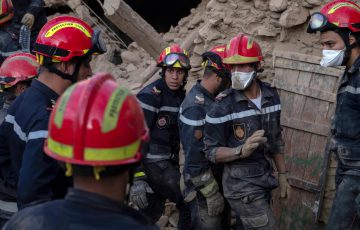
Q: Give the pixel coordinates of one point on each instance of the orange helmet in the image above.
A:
(174, 56)
(242, 49)
(18, 67)
(96, 122)
(334, 15)
(65, 37)
(6, 11)
(214, 59)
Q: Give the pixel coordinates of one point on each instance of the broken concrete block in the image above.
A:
(261, 4)
(293, 16)
(278, 5)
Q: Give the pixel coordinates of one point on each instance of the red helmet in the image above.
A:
(334, 15)
(174, 56)
(241, 50)
(65, 37)
(214, 59)
(6, 11)
(96, 122)
(18, 67)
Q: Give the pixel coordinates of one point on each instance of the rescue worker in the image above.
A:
(64, 60)
(161, 101)
(95, 131)
(6, 41)
(16, 73)
(243, 131)
(30, 13)
(203, 186)
(339, 25)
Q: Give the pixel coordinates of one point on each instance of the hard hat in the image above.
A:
(335, 15)
(214, 59)
(242, 49)
(18, 67)
(174, 56)
(96, 122)
(65, 37)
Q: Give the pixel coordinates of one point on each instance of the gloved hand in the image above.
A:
(28, 20)
(252, 143)
(215, 204)
(138, 193)
(283, 184)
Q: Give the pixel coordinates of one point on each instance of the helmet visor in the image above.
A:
(6, 80)
(172, 58)
(98, 43)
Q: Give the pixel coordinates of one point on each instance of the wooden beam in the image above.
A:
(306, 91)
(131, 23)
(310, 127)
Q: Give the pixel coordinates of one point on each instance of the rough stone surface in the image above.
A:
(278, 5)
(293, 16)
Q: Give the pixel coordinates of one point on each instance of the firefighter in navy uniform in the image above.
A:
(243, 131)
(203, 186)
(339, 25)
(161, 101)
(63, 60)
(16, 73)
(95, 131)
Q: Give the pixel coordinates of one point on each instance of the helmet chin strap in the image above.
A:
(348, 47)
(73, 78)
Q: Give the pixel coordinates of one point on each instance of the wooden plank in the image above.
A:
(315, 159)
(308, 67)
(303, 184)
(319, 94)
(309, 127)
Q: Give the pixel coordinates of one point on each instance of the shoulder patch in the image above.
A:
(199, 99)
(155, 91)
(221, 96)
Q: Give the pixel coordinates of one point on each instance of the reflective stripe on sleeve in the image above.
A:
(192, 122)
(148, 107)
(350, 89)
(22, 135)
(247, 113)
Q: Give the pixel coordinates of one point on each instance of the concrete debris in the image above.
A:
(293, 16)
(278, 5)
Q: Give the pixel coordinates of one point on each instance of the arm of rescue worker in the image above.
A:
(215, 137)
(38, 170)
(35, 7)
(191, 126)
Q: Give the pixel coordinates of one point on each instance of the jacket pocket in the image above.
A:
(247, 171)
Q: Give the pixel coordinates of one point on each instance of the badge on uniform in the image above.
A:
(155, 91)
(240, 131)
(199, 99)
(162, 122)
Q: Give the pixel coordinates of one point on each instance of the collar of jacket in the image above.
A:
(354, 67)
(204, 91)
(44, 89)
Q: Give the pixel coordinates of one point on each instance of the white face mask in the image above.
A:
(332, 58)
(241, 80)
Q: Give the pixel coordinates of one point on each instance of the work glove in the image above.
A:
(252, 143)
(138, 193)
(28, 20)
(283, 184)
(215, 204)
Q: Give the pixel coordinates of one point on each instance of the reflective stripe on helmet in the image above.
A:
(240, 59)
(94, 154)
(63, 25)
(342, 4)
(112, 110)
(59, 116)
